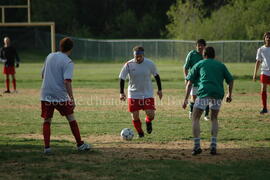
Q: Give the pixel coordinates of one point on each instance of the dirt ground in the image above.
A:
(114, 147)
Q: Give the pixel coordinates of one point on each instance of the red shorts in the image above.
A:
(141, 104)
(9, 70)
(47, 108)
(265, 79)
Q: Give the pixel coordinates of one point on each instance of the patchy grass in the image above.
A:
(243, 140)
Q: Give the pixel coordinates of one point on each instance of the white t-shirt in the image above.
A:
(58, 67)
(140, 84)
(263, 55)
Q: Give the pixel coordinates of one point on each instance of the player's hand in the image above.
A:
(3, 60)
(159, 93)
(228, 99)
(185, 103)
(72, 103)
(123, 97)
(17, 65)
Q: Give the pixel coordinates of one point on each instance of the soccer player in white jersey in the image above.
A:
(263, 58)
(56, 93)
(140, 90)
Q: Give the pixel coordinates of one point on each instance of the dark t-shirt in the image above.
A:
(10, 54)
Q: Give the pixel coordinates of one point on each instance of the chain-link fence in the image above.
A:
(120, 50)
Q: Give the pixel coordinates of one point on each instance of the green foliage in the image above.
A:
(186, 21)
(240, 19)
(129, 19)
(62, 12)
(105, 18)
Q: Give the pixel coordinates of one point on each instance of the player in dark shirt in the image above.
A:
(10, 57)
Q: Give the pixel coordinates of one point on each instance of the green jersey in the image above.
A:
(192, 58)
(210, 75)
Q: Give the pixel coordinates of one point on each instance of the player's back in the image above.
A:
(57, 66)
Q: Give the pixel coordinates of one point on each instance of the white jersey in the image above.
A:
(58, 67)
(263, 55)
(140, 84)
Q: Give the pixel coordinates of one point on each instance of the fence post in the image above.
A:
(156, 48)
(239, 52)
(98, 49)
(222, 49)
(112, 51)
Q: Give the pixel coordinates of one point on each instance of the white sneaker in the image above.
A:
(47, 151)
(190, 115)
(206, 118)
(84, 147)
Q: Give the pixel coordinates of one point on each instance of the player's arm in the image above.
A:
(68, 74)
(230, 88)
(187, 66)
(229, 80)
(185, 74)
(122, 76)
(192, 76)
(257, 65)
(68, 86)
(122, 87)
(188, 89)
(2, 57)
(17, 58)
(159, 93)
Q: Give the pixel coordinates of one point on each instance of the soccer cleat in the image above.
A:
(196, 151)
(141, 135)
(263, 111)
(47, 151)
(84, 147)
(7, 91)
(206, 118)
(213, 150)
(190, 115)
(149, 127)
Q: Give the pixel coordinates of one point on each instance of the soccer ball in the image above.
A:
(127, 134)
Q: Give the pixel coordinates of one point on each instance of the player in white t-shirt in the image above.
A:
(56, 93)
(140, 90)
(263, 59)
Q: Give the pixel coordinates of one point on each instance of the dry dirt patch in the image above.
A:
(113, 147)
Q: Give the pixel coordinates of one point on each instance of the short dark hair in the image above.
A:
(138, 48)
(66, 44)
(209, 52)
(201, 41)
(266, 34)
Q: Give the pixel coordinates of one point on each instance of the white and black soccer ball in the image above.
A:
(127, 134)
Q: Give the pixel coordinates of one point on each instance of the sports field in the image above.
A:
(243, 141)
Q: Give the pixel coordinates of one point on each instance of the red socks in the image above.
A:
(148, 119)
(76, 132)
(264, 99)
(14, 84)
(138, 126)
(7, 84)
(46, 134)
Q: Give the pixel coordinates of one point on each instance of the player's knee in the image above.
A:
(150, 114)
(135, 116)
(48, 120)
(70, 117)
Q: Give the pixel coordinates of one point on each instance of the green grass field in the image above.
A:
(244, 137)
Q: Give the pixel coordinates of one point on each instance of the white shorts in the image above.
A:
(193, 91)
(201, 103)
